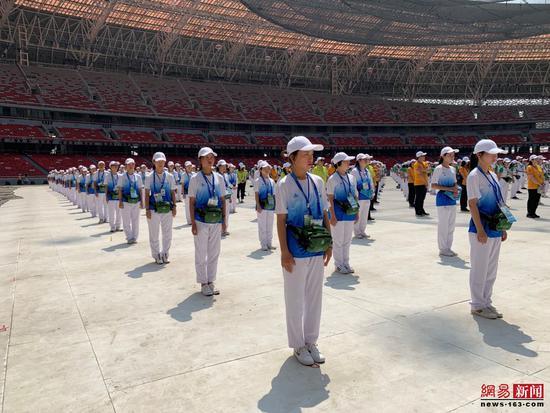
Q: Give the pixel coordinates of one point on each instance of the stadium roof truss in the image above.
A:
(226, 40)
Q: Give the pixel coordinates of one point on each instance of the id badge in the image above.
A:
(365, 185)
(213, 202)
(508, 214)
(133, 193)
(307, 220)
(352, 201)
(318, 222)
(162, 192)
(158, 198)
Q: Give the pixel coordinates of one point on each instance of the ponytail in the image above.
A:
(474, 160)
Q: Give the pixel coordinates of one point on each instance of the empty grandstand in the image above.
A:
(87, 79)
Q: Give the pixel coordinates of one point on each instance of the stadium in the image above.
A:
(83, 81)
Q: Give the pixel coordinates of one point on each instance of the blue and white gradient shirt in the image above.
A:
(480, 188)
(444, 177)
(341, 186)
(203, 187)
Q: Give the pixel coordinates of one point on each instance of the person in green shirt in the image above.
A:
(242, 176)
(320, 169)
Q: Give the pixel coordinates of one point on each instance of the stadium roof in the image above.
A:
(447, 30)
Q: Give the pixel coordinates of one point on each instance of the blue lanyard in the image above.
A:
(98, 177)
(161, 184)
(344, 183)
(494, 185)
(225, 180)
(308, 178)
(270, 188)
(212, 192)
(131, 183)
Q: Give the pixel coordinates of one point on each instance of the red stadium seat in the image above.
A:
(348, 141)
(461, 140)
(214, 102)
(136, 136)
(386, 140)
(506, 138)
(293, 106)
(424, 140)
(275, 140)
(540, 137)
(82, 134)
(13, 165)
(230, 140)
(254, 103)
(50, 162)
(13, 86)
(22, 131)
(187, 138)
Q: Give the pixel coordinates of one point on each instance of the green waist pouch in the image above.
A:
(348, 207)
(313, 238)
(211, 214)
(496, 222)
(162, 207)
(130, 200)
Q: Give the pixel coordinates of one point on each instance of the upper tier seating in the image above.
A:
(11, 130)
(13, 165)
(82, 134)
(13, 87)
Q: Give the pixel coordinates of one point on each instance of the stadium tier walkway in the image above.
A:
(92, 325)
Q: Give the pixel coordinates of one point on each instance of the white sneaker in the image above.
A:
(206, 290)
(165, 259)
(303, 356)
(265, 248)
(485, 313)
(494, 310)
(454, 253)
(271, 247)
(447, 253)
(158, 260)
(316, 355)
(350, 269)
(360, 236)
(213, 288)
(225, 234)
(342, 270)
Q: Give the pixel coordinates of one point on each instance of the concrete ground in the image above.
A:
(92, 325)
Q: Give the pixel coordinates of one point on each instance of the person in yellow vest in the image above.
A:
(535, 182)
(320, 169)
(410, 183)
(331, 169)
(420, 173)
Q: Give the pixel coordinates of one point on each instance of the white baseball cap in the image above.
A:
(361, 156)
(170, 163)
(420, 153)
(541, 157)
(113, 163)
(129, 160)
(92, 167)
(159, 156)
(286, 165)
(101, 162)
(187, 163)
(448, 149)
(489, 146)
(341, 156)
(320, 158)
(263, 164)
(466, 159)
(206, 151)
(507, 160)
(301, 143)
(533, 157)
(230, 165)
(221, 162)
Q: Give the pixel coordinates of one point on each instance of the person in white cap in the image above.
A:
(320, 169)
(90, 190)
(535, 182)
(207, 207)
(178, 171)
(301, 209)
(99, 184)
(130, 188)
(185, 179)
(444, 181)
(287, 169)
(222, 170)
(420, 174)
(160, 208)
(344, 207)
(232, 179)
(365, 189)
(485, 200)
(111, 194)
(264, 189)
(242, 176)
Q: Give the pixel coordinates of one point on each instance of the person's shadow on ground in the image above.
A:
(294, 388)
(342, 281)
(509, 337)
(195, 302)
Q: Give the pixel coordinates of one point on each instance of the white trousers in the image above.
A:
(233, 206)
(101, 205)
(227, 206)
(483, 271)
(361, 225)
(522, 179)
(341, 242)
(265, 227)
(130, 220)
(156, 223)
(207, 251)
(446, 218)
(303, 300)
(186, 207)
(178, 193)
(504, 188)
(83, 201)
(113, 215)
(90, 199)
